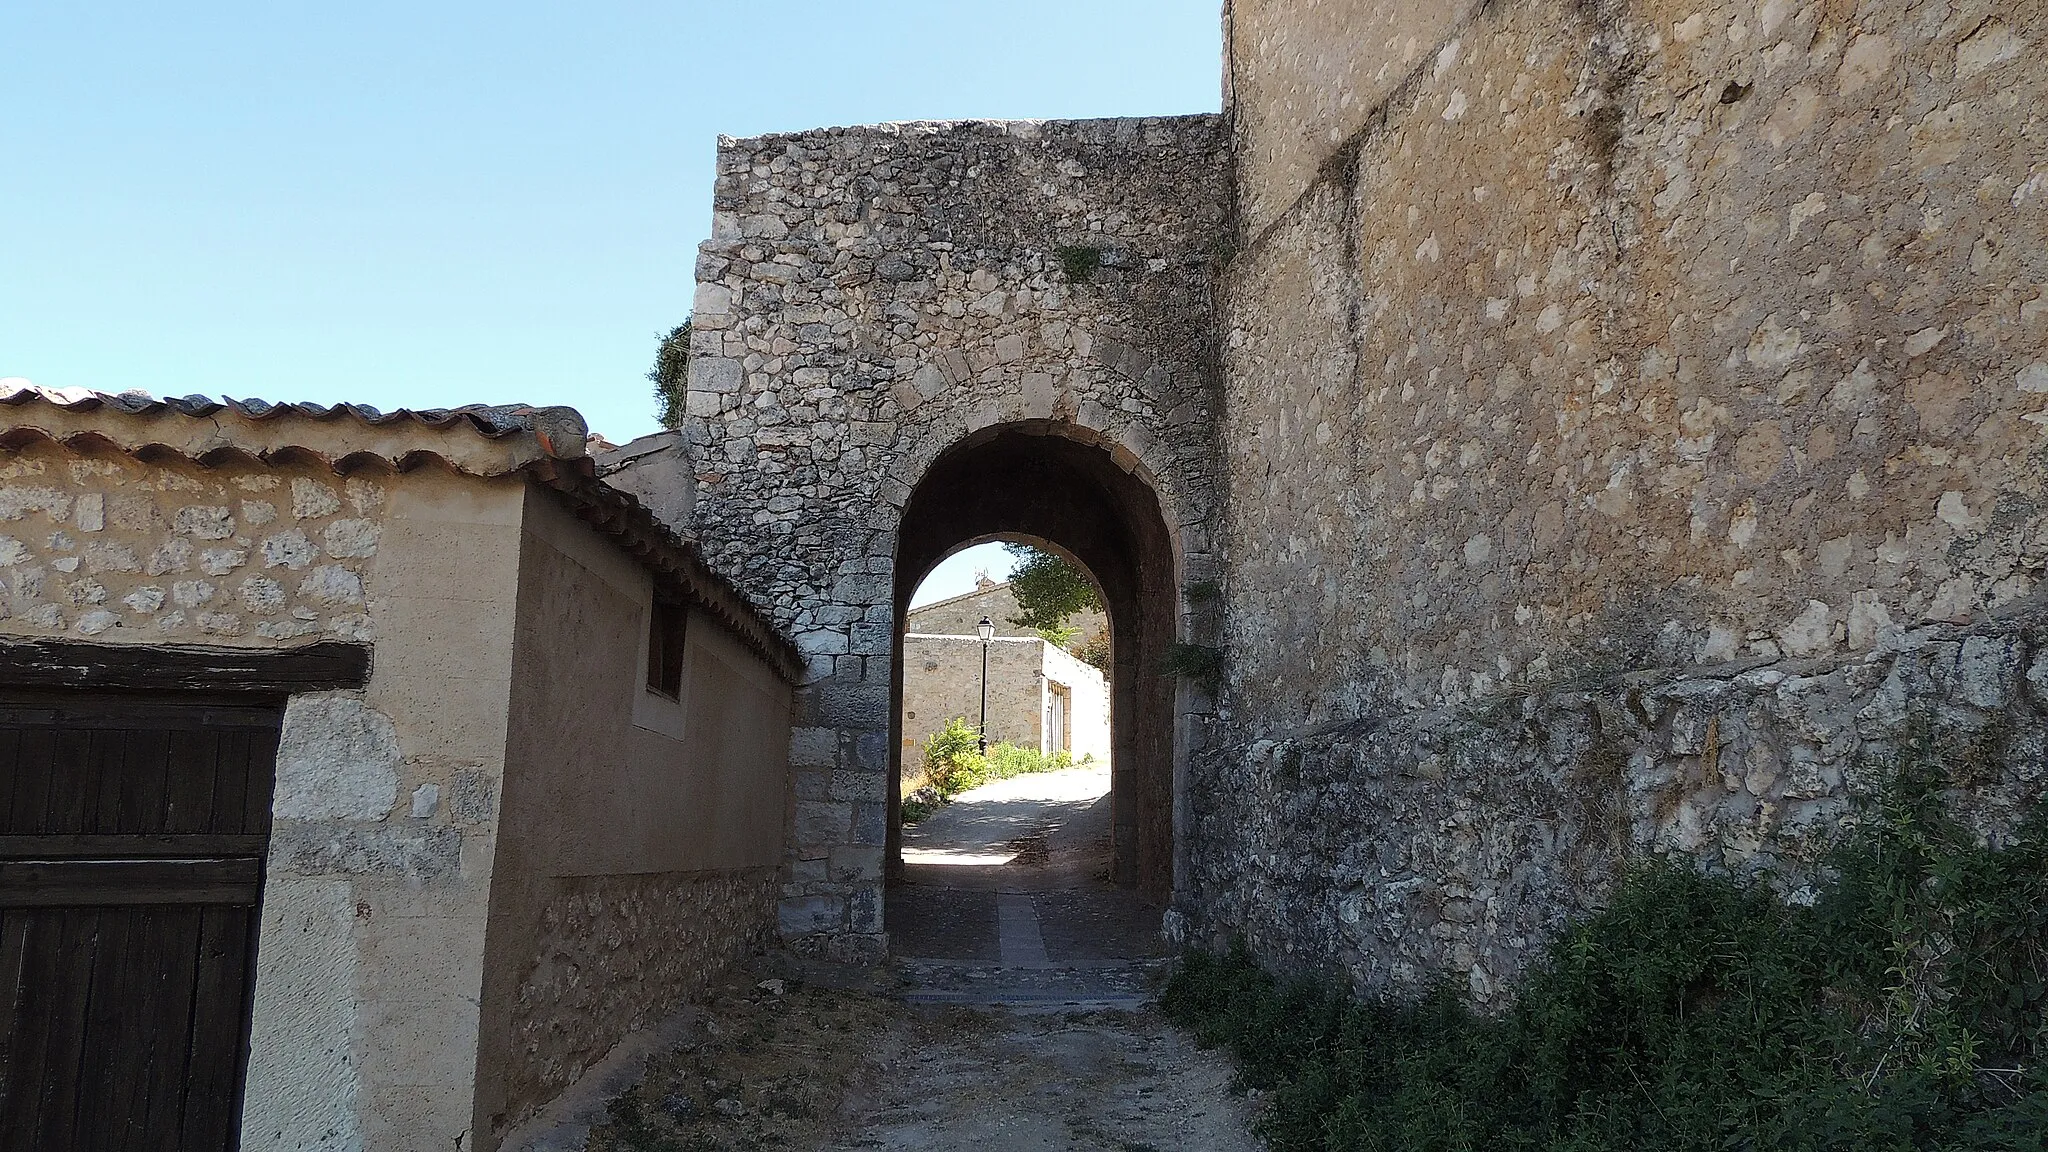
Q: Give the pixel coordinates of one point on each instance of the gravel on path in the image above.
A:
(784, 1064)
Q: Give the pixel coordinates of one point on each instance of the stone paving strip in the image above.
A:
(1017, 1015)
(1017, 930)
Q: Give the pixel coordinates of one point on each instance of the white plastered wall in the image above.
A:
(1087, 706)
(370, 958)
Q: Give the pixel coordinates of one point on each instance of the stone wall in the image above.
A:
(641, 835)
(870, 298)
(942, 680)
(1458, 840)
(612, 954)
(1304, 75)
(1565, 339)
(107, 547)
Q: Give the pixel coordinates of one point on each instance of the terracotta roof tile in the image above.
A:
(522, 432)
(490, 420)
(547, 444)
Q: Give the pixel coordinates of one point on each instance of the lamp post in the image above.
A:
(987, 631)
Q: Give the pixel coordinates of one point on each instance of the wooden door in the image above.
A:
(1058, 738)
(132, 836)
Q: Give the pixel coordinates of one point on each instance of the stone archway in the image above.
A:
(880, 307)
(1059, 484)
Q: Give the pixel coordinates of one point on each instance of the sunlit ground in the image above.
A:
(981, 827)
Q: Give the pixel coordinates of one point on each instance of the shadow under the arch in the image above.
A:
(1011, 896)
(1018, 873)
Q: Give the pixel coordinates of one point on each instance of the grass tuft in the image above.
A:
(1079, 263)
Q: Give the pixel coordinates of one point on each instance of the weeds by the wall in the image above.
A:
(1079, 263)
(1903, 1010)
(954, 763)
(1196, 662)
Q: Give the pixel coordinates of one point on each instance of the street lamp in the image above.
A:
(987, 631)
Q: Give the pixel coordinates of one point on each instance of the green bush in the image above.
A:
(953, 763)
(1079, 263)
(1903, 1010)
(951, 754)
(1007, 760)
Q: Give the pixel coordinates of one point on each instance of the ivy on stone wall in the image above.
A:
(671, 375)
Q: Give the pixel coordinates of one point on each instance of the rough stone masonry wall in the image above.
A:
(1458, 840)
(617, 953)
(1569, 338)
(868, 298)
(109, 548)
(942, 680)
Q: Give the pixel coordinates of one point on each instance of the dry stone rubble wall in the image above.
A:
(1567, 339)
(870, 297)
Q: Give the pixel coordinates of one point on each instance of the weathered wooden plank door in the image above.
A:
(132, 835)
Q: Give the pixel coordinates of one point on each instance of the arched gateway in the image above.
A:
(913, 336)
(1056, 484)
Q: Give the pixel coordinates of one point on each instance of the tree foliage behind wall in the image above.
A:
(671, 375)
(1094, 649)
(1049, 592)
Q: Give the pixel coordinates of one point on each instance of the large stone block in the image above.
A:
(857, 864)
(806, 915)
(870, 822)
(813, 747)
(822, 822)
(860, 784)
(715, 374)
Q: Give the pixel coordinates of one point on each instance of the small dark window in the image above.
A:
(668, 625)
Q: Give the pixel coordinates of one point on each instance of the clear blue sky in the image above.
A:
(954, 576)
(417, 205)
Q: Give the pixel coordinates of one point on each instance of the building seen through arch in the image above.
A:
(1041, 695)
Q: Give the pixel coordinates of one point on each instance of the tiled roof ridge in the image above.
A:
(560, 431)
(545, 443)
(642, 535)
(962, 596)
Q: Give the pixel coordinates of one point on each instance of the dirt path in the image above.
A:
(1116, 1081)
(834, 1070)
(1012, 1018)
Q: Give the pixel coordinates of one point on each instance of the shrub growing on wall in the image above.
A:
(671, 375)
(1903, 1010)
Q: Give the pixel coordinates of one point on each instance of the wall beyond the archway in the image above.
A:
(872, 299)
